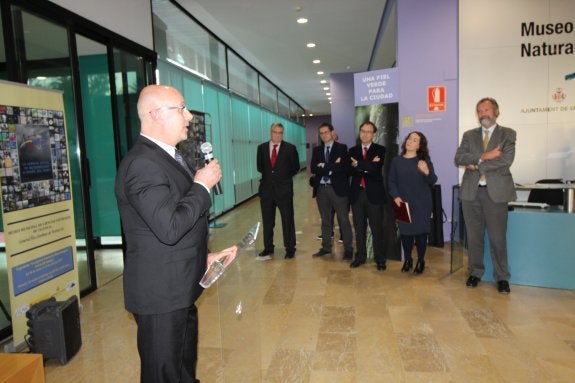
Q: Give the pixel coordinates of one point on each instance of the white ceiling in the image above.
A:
(265, 33)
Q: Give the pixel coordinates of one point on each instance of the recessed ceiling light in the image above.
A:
(329, 98)
(320, 72)
(326, 88)
(327, 93)
(323, 82)
(302, 20)
(310, 45)
(311, 114)
(316, 61)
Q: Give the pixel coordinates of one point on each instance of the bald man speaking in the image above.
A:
(164, 208)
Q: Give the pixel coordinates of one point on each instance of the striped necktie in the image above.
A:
(180, 159)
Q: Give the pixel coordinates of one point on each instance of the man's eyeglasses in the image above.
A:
(181, 108)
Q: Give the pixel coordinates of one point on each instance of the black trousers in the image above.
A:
(268, 205)
(168, 346)
(364, 213)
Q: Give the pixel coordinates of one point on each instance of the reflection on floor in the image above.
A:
(316, 320)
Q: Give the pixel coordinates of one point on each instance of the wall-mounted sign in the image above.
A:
(376, 87)
(436, 99)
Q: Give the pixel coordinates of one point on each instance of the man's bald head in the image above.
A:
(160, 114)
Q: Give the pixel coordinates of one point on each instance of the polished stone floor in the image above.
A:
(313, 320)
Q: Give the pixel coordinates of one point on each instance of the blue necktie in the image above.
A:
(326, 178)
(178, 157)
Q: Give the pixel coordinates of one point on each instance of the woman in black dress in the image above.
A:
(410, 179)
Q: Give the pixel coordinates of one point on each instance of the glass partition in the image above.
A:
(243, 78)
(268, 95)
(283, 104)
(181, 41)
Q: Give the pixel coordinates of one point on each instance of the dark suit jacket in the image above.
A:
(277, 182)
(338, 165)
(165, 222)
(371, 171)
(500, 185)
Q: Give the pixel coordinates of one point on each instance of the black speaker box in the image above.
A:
(436, 235)
(54, 329)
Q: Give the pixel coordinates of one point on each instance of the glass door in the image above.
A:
(100, 162)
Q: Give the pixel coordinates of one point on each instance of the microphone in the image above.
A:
(206, 148)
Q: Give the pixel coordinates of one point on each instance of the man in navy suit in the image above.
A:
(331, 166)
(368, 195)
(487, 153)
(278, 162)
(164, 211)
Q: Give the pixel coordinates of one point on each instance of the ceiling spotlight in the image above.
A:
(326, 88)
(310, 45)
(329, 98)
(302, 20)
(316, 61)
(327, 93)
(311, 114)
(323, 82)
(320, 72)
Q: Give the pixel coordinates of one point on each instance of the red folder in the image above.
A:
(402, 212)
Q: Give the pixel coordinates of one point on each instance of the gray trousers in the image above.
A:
(327, 200)
(480, 215)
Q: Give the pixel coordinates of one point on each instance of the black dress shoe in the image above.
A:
(472, 281)
(407, 265)
(290, 254)
(321, 253)
(347, 256)
(381, 266)
(265, 255)
(503, 287)
(419, 267)
(356, 263)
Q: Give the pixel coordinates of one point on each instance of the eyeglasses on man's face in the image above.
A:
(181, 108)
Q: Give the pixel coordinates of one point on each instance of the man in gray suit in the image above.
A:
(487, 186)
(164, 208)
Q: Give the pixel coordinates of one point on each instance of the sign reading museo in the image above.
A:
(376, 87)
(536, 49)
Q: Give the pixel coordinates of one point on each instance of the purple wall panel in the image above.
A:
(427, 56)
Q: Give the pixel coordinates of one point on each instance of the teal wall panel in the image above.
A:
(235, 127)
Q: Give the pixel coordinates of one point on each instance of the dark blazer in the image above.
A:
(500, 185)
(339, 165)
(165, 221)
(277, 182)
(371, 171)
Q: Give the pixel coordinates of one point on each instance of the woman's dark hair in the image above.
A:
(423, 151)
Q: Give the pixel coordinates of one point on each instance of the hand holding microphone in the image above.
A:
(212, 170)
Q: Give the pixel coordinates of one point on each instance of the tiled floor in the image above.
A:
(316, 320)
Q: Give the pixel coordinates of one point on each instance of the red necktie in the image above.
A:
(362, 182)
(274, 156)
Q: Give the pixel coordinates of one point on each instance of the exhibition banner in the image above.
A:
(37, 208)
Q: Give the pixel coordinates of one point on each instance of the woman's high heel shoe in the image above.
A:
(419, 267)
(407, 265)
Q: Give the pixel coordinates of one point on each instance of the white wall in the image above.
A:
(534, 95)
(129, 18)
